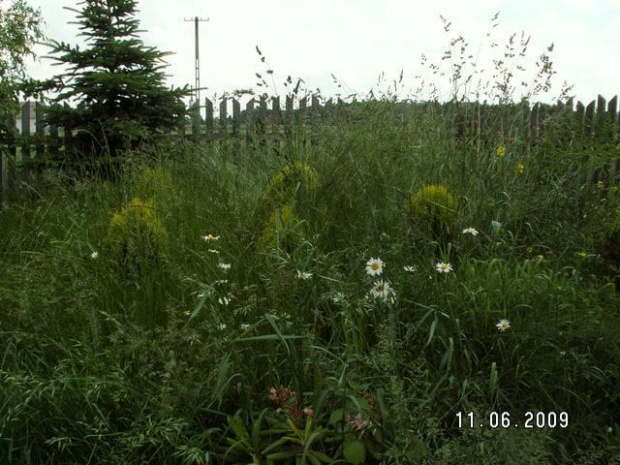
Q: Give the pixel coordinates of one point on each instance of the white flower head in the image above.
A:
(215, 251)
(409, 269)
(244, 326)
(472, 231)
(503, 325)
(224, 266)
(222, 326)
(442, 267)
(303, 275)
(223, 301)
(210, 238)
(381, 290)
(94, 255)
(374, 267)
(338, 297)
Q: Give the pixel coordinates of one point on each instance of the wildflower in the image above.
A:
(600, 184)
(338, 297)
(409, 269)
(562, 353)
(220, 281)
(472, 231)
(503, 325)
(391, 296)
(94, 255)
(501, 151)
(244, 326)
(358, 421)
(186, 313)
(224, 266)
(223, 301)
(520, 168)
(308, 412)
(222, 326)
(529, 250)
(509, 140)
(210, 238)
(374, 267)
(442, 267)
(215, 251)
(381, 290)
(581, 254)
(303, 275)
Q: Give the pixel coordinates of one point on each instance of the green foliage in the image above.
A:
(20, 29)
(283, 230)
(118, 84)
(136, 238)
(433, 210)
(284, 185)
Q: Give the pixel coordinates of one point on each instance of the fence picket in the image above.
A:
(264, 123)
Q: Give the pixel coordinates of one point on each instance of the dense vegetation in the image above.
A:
(127, 338)
(375, 298)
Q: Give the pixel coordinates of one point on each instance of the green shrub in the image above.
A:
(282, 187)
(433, 210)
(136, 238)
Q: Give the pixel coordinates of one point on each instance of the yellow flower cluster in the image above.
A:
(285, 192)
(434, 206)
(282, 186)
(136, 235)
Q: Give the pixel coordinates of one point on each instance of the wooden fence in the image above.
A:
(265, 122)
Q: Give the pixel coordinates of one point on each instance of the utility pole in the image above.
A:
(197, 20)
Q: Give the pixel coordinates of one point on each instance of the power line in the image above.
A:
(196, 21)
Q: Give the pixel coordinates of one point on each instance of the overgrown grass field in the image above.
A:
(375, 299)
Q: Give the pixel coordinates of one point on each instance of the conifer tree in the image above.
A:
(115, 87)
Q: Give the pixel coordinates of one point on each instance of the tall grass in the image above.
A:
(291, 354)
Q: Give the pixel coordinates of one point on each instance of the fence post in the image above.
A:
(40, 140)
(612, 114)
(209, 129)
(196, 126)
(314, 122)
(249, 122)
(25, 145)
(236, 125)
(601, 119)
(223, 131)
(588, 124)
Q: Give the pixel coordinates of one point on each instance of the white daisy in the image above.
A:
(224, 266)
(472, 231)
(215, 251)
(338, 297)
(210, 238)
(244, 326)
(223, 301)
(222, 326)
(94, 255)
(503, 325)
(381, 290)
(409, 269)
(374, 267)
(303, 275)
(442, 267)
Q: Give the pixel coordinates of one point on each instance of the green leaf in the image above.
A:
(354, 451)
(336, 416)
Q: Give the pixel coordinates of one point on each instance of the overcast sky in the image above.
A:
(357, 40)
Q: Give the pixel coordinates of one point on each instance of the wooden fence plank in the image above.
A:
(209, 125)
(601, 119)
